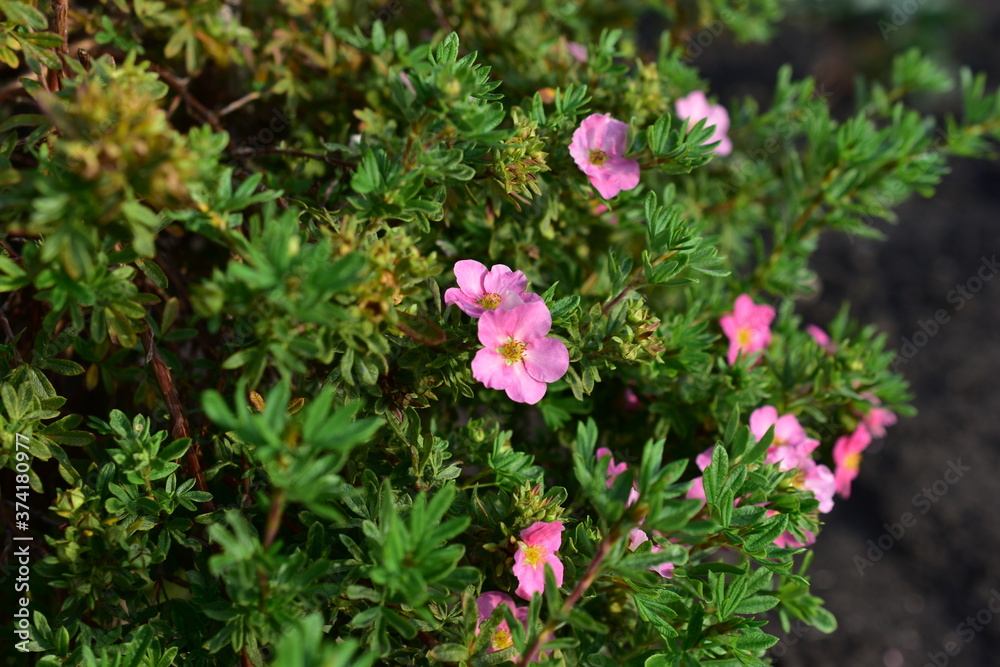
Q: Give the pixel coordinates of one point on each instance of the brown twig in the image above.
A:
(190, 100)
(295, 153)
(274, 517)
(169, 391)
(233, 106)
(10, 334)
(59, 27)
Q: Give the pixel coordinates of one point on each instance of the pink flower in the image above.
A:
(489, 601)
(790, 446)
(598, 147)
(748, 327)
(818, 479)
(695, 107)
(602, 208)
(631, 400)
(637, 537)
(877, 418)
(480, 290)
(697, 489)
(847, 457)
(614, 471)
(539, 543)
(578, 51)
(787, 541)
(518, 357)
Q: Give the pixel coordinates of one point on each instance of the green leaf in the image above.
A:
(24, 14)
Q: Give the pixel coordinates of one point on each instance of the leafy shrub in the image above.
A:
(231, 240)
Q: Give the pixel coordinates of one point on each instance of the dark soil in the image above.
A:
(903, 593)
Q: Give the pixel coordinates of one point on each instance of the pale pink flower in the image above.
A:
(480, 290)
(631, 400)
(538, 545)
(518, 356)
(818, 479)
(613, 472)
(489, 601)
(822, 338)
(847, 457)
(613, 469)
(406, 82)
(637, 537)
(748, 327)
(697, 489)
(790, 446)
(602, 208)
(598, 148)
(876, 419)
(695, 107)
(787, 541)
(578, 51)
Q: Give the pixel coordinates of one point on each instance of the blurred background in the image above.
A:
(925, 590)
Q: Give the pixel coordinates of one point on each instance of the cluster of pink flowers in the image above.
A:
(537, 547)
(792, 449)
(748, 327)
(847, 450)
(485, 605)
(518, 355)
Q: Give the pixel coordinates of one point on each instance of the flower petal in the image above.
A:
(546, 360)
(469, 274)
(491, 369)
(495, 326)
(455, 296)
(530, 321)
(489, 601)
(529, 579)
(501, 279)
(548, 535)
(522, 388)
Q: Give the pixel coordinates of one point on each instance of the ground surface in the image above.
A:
(907, 606)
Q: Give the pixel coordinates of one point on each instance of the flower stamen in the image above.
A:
(490, 300)
(513, 351)
(597, 157)
(534, 554)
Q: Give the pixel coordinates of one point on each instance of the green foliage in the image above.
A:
(227, 233)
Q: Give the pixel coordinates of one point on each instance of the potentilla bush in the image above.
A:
(444, 333)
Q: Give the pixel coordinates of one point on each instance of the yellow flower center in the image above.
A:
(799, 479)
(501, 639)
(597, 158)
(853, 462)
(744, 336)
(490, 300)
(513, 351)
(535, 554)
